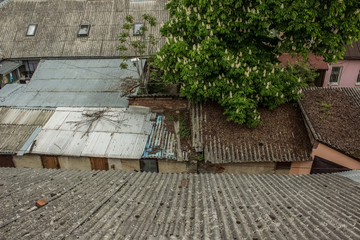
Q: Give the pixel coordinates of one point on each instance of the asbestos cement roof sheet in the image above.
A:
(58, 25)
(134, 205)
(18, 125)
(96, 132)
(74, 83)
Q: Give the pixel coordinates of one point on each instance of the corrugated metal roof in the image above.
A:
(161, 143)
(8, 66)
(17, 125)
(56, 36)
(96, 132)
(284, 147)
(73, 83)
(129, 205)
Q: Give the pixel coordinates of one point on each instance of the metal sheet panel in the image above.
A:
(97, 144)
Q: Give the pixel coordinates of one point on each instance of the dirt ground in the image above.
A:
(335, 117)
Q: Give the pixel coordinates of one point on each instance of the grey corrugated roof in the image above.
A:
(124, 205)
(58, 23)
(73, 83)
(284, 147)
(8, 66)
(353, 175)
(17, 125)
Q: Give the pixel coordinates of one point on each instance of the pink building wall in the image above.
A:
(348, 76)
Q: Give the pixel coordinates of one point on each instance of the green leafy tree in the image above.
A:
(227, 50)
(140, 44)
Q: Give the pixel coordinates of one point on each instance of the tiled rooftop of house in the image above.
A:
(333, 116)
(282, 138)
(353, 52)
(55, 26)
(130, 205)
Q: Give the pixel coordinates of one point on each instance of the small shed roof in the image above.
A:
(8, 66)
(333, 115)
(96, 132)
(73, 83)
(58, 24)
(129, 205)
(18, 125)
(315, 62)
(282, 138)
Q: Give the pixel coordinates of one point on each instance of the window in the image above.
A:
(84, 30)
(335, 75)
(149, 165)
(358, 79)
(31, 30)
(137, 29)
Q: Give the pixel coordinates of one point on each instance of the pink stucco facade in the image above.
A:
(348, 75)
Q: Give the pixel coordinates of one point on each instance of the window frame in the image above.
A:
(84, 34)
(135, 33)
(28, 28)
(338, 77)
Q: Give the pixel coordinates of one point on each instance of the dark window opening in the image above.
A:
(358, 78)
(149, 165)
(84, 30)
(335, 75)
(31, 30)
(321, 165)
(283, 165)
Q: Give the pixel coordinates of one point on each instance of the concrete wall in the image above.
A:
(348, 75)
(172, 166)
(27, 161)
(301, 167)
(124, 164)
(334, 156)
(82, 163)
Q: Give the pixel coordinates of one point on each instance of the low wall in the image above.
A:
(124, 164)
(300, 167)
(27, 161)
(81, 163)
(172, 166)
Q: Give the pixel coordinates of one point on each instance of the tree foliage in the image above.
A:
(227, 50)
(140, 44)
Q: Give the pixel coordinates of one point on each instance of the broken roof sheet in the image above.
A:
(333, 115)
(96, 132)
(18, 125)
(73, 83)
(282, 138)
(56, 36)
(129, 205)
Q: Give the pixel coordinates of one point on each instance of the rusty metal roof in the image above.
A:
(58, 24)
(129, 205)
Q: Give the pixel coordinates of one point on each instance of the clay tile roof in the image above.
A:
(353, 52)
(333, 116)
(282, 138)
(128, 205)
(315, 62)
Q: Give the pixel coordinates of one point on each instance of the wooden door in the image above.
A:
(99, 163)
(50, 162)
(6, 161)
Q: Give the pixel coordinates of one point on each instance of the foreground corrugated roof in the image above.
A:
(96, 132)
(130, 205)
(18, 125)
(282, 138)
(332, 116)
(58, 24)
(74, 83)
